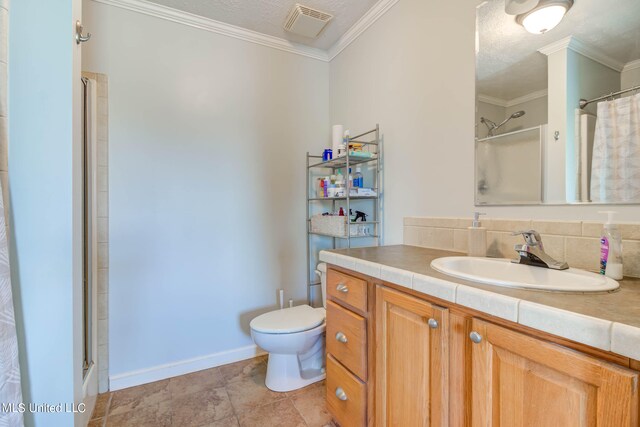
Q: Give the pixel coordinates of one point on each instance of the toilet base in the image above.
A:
(284, 373)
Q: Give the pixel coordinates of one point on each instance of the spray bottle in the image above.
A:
(611, 249)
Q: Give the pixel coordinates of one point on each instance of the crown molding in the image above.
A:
(631, 65)
(506, 103)
(528, 97)
(211, 25)
(492, 100)
(372, 15)
(583, 49)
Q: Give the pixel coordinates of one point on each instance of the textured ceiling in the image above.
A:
(268, 16)
(508, 64)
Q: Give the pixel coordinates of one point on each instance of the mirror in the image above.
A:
(536, 143)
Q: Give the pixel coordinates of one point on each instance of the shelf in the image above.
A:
(358, 223)
(359, 148)
(344, 198)
(341, 162)
(371, 236)
(353, 138)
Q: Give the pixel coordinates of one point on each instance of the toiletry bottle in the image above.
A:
(342, 150)
(331, 191)
(611, 249)
(357, 179)
(340, 188)
(350, 179)
(477, 245)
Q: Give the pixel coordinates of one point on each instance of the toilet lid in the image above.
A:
(288, 320)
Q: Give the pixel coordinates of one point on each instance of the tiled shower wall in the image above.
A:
(576, 242)
(102, 227)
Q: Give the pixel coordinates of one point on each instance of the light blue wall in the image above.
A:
(207, 142)
(40, 159)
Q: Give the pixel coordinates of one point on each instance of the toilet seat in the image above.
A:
(289, 320)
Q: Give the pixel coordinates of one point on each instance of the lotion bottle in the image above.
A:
(477, 245)
(611, 249)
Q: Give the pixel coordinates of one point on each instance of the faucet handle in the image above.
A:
(532, 237)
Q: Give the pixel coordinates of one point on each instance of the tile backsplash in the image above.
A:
(576, 242)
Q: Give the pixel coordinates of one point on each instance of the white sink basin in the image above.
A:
(503, 272)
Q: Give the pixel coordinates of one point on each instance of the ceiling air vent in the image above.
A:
(306, 21)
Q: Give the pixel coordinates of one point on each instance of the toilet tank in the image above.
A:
(322, 272)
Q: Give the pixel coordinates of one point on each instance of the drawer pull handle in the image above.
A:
(342, 288)
(433, 323)
(340, 394)
(341, 337)
(475, 337)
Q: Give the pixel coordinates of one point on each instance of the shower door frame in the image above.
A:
(89, 230)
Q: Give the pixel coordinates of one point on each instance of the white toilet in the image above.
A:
(294, 338)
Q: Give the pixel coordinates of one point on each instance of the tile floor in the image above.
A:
(226, 396)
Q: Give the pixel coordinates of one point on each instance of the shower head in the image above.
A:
(487, 122)
(493, 127)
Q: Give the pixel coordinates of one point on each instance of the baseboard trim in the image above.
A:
(181, 367)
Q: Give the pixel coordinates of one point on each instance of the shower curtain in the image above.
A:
(615, 171)
(10, 391)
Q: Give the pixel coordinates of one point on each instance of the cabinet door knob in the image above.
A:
(433, 323)
(342, 288)
(341, 337)
(475, 337)
(340, 394)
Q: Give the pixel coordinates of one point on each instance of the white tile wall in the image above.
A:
(102, 184)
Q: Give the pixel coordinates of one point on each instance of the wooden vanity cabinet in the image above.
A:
(350, 340)
(413, 360)
(521, 381)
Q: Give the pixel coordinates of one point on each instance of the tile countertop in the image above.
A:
(608, 321)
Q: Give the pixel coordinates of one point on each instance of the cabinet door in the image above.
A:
(411, 361)
(520, 381)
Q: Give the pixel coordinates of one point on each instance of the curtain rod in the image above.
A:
(584, 102)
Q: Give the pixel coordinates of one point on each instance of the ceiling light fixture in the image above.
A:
(516, 7)
(545, 16)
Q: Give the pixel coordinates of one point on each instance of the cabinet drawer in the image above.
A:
(347, 338)
(348, 289)
(346, 395)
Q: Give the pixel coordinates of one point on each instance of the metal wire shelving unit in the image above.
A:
(314, 162)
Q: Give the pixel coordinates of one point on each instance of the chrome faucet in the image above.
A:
(532, 252)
